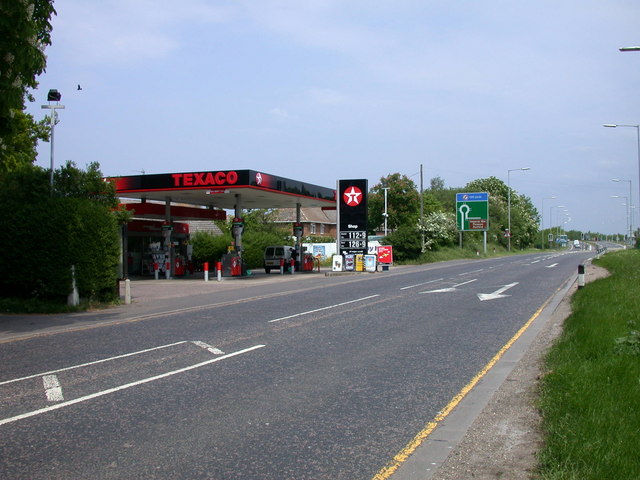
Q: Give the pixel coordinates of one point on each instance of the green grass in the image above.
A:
(591, 394)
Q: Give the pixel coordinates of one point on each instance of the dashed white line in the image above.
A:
(124, 387)
(206, 346)
(52, 388)
(323, 308)
(91, 363)
(423, 283)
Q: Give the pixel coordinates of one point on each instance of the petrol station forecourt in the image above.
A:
(162, 197)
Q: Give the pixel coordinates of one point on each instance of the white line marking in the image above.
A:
(91, 363)
(472, 271)
(206, 346)
(124, 387)
(464, 283)
(323, 308)
(552, 265)
(535, 261)
(52, 388)
(423, 283)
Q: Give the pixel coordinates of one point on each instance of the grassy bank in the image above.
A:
(591, 394)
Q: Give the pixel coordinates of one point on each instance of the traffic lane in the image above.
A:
(222, 322)
(344, 371)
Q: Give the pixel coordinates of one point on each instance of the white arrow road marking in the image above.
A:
(497, 294)
(552, 265)
(450, 289)
(52, 388)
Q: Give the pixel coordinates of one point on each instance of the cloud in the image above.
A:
(280, 113)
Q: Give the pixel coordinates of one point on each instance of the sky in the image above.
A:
(336, 89)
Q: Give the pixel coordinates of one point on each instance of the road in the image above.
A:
(311, 378)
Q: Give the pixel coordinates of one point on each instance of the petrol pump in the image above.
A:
(232, 260)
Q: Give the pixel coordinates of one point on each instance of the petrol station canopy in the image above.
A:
(225, 189)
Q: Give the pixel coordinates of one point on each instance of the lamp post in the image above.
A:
(542, 221)
(629, 206)
(551, 217)
(637, 127)
(509, 203)
(53, 96)
(630, 49)
(628, 210)
(385, 214)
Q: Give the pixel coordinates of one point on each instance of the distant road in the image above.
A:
(328, 381)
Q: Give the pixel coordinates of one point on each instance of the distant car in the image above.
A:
(576, 244)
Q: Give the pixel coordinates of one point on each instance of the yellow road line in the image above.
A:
(412, 446)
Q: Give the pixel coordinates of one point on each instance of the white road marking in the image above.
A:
(206, 346)
(497, 294)
(323, 308)
(91, 363)
(535, 261)
(52, 388)
(452, 288)
(472, 271)
(423, 283)
(124, 387)
(552, 265)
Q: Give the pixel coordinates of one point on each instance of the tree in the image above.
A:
(403, 202)
(19, 146)
(25, 29)
(524, 216)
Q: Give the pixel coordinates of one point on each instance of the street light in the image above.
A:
(53, 96)
(385, 214)
(542, 221)
(551, 217)
(630, 49)
(509, 203)
(628, 209)
(637, 127)
(628, 206)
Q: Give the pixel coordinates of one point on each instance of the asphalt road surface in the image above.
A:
(311, 378)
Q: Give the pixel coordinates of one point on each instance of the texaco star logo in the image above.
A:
(352, 196)
(259, 178)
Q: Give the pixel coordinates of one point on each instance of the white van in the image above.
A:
(576, 244)
(274, 253)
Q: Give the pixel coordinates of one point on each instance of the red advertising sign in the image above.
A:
(385, 254)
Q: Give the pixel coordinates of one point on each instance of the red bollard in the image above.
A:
(206, 271)
(156, 267)
(219, 270)
(282, 266)
(293, 265)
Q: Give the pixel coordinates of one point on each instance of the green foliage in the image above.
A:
(439, 229)
(630, 343)
(18, 147)
(25, 29)
(209, 248)
(406, 241)
(403, 202)
(589, 397)
(45, 234)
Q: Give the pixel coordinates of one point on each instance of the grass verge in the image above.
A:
(590, 394)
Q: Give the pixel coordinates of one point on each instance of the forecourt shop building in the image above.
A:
(204, 196)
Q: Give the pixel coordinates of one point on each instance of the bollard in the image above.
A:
(219, 270)
(127, 292)
(167, 270)
(73, 299)
(156, 268)
(282, 266)
(206, 271)
(293, 266)
(580, 276)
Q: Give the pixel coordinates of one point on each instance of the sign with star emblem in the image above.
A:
(352, 216)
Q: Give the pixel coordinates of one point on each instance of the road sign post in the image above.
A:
(472, 213)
